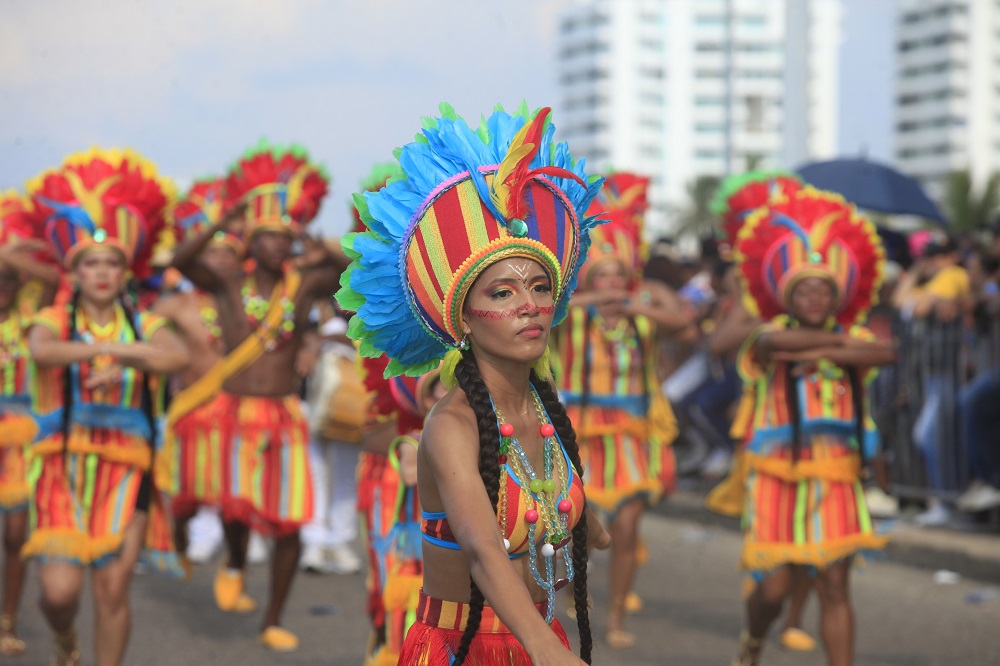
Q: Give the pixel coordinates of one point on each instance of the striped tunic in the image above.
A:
(604, 378)
(811, 511)
(17, 427)
(85, 487)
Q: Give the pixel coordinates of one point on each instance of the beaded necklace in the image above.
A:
(549, 493)
(11, 349)
(210, 320)
(255, 306)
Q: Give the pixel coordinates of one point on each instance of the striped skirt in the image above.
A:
(16, 430)
(811, 512)
(267, 483)
(437, 633)
(615, 452)
(81, 502)
(197, 441)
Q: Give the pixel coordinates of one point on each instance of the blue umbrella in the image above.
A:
(872, 186)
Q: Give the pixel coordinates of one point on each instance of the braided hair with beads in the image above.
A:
(471, 382)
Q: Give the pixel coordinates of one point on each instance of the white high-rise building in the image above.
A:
(947, 89)
(678, 89)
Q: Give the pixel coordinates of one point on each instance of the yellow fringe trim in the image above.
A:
(17, 429)
(402, 592)
(634, 426)
(135, 456)
(14, 494)
(661, 419)
(767, 556)
(609, 499)
(727, 498)
(71, 544)
(384, 657)
(838, 470)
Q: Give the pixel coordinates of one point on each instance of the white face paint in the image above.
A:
(522, 271)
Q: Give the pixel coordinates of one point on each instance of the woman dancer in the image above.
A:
(17, 427)
(476, 252)
(94, 502)
(606, 370)
(811, 267)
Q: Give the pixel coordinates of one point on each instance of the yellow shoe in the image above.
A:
(633, 603)
(279, 639)
(229, 596)
(796, 639)
(245, 604)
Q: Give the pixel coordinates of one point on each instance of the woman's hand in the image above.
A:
(555, 655)
(102, 379)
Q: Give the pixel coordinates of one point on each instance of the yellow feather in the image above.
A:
(90, 200)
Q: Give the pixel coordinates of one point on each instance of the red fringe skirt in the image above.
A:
(435, 636)
(266, 480)
(199, 439)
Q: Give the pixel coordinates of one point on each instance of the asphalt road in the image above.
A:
(692, 617)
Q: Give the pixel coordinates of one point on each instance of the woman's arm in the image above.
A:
(186, 257)
(450, 447)
(734, 328)
(47, 350)
(798, 340)
(19, 256)
(661, 306)
(854, 353)
(163, 353)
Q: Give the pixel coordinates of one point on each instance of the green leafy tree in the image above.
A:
(695, 218)
(967, 207)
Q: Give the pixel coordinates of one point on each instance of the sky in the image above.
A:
(192, 84)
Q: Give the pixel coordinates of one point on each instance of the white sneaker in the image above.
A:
(342, 560)
(881, 505)
(716, 465)
(979, 497)
(257, 552)
(313, 560)
(937, 514)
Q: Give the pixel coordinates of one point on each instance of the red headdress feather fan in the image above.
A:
(282, 188)
(111, 198)
(810, 233)
(739, 195)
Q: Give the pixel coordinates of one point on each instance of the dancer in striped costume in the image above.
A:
(18, 304)
(472, 257)
(94, 499)
(605, 365)
(811, 268)
(266, 481)
(194, 436)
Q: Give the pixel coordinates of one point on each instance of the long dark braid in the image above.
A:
(67, 387)
(563, 426)
(858, 398)
(467, 374)
(147, 395)
(794, 411)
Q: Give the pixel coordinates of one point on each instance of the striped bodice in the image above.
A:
(16, 369)
(514, 501)
(603, 367)
(116, 407)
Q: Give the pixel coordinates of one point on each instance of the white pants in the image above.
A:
(335, 496)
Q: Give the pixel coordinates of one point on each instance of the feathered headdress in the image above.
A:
(380, 176)
(201, 208)
(281, 187)
(468, 199)
(810, 234)
(622, 201)
(15, 217)
(740, 194)
(107, 198)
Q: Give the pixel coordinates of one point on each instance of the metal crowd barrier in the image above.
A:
(935, 357)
